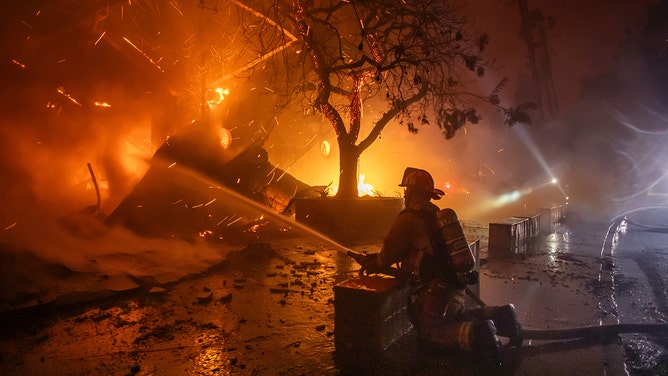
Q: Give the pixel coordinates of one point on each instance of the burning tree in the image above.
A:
(413, 60)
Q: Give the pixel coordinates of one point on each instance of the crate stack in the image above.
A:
(514, 233)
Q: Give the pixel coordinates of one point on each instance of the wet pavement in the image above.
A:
(268, 309)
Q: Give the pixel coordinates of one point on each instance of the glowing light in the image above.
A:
(325, 148)
(102, 104)
(507, 198)
(218, 95)
(453, 188)
(515, 195)
(18, 63)
(364, 189)
(528, 142)
(225, 138)
(205, 233)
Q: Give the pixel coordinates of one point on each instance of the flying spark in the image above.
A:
(62, 92)
(18, 63)
(143, 53)
(99, 39)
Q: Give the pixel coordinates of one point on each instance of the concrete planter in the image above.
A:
(364, 219)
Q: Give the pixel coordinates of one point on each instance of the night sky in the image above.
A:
(584, 41)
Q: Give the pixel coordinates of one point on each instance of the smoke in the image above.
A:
(492, 171)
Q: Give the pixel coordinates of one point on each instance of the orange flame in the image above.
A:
(218, 95)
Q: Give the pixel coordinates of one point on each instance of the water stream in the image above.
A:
(250, 204)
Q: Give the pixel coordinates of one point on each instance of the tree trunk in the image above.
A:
(348, 158)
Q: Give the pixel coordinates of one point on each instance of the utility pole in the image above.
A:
(534, 34)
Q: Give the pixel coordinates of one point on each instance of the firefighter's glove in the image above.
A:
(370, 265)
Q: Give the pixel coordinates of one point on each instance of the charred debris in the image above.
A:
(192, 189)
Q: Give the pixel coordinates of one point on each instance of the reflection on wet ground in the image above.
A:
(640, 290)
(268, 310)
(256, 311)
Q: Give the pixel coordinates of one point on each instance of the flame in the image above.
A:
(364, 189)
(102, 104)
(325, 149)
(225, 138)
(218, 95)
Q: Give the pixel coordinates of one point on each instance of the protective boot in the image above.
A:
(505, 320)
(469, 336)
(484, 339)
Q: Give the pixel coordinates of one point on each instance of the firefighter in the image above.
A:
(437, 306)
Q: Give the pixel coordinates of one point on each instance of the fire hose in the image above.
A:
(592, 332)
(586, 332)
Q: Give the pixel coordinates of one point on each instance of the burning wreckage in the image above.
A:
(196, 187)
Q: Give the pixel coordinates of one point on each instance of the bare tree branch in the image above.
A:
(412, 58)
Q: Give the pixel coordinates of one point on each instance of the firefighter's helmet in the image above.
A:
(421, 180)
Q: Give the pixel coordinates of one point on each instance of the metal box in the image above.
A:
(551, 217)
(507, 234)
(532, 226)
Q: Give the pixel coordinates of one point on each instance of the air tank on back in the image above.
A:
(456, 244)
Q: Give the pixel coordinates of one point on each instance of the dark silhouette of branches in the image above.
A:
(414, 60)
